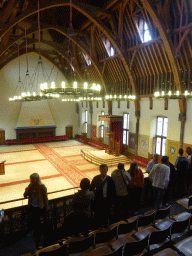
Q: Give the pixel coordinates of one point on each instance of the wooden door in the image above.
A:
(2, 137)
(69, 131)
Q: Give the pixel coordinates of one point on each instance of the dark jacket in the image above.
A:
(41, 195)
(82, 202)
(97, 186)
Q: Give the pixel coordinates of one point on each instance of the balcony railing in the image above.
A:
(14, 223)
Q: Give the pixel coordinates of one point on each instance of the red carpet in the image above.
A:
(71, 173)
(28, 180)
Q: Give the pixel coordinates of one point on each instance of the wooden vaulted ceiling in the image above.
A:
(136, 67)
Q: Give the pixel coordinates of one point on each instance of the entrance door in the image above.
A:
(69, 131)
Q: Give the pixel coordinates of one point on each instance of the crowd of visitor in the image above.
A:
(121, 192)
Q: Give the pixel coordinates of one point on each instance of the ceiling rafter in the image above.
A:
(63, 31)
(166, 40)
(43, 53)
(92, 17)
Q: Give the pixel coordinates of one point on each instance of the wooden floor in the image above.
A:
(59, 164)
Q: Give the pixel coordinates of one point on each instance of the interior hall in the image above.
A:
(85, 83)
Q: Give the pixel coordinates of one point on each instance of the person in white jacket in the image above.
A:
(159, 176)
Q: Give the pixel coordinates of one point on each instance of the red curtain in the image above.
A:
(117, 127)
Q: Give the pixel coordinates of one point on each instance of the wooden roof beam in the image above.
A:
(92, 17)
(23, 51)
(64, 32)
(167, 42)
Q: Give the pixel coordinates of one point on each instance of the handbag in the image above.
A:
(130, 188)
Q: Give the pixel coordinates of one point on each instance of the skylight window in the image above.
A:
(72, 67)
(112, 51)
(88, 61)
(143, 29)
(108, 46)
(146, 33)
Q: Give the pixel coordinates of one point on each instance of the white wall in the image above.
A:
(188, 124)
(63, 113)
(148, 118)
(148, 115)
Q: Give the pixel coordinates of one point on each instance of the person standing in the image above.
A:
(82, 207)
(170, 191)
(181, 165)
(36, 192)
(121, 179)
(152, 163)
(137, 180)
(104, 188)
(159, 176)
(188, 150)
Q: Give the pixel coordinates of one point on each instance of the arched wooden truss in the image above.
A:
(136, 67)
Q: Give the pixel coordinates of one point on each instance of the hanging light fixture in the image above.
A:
(19, 87)
(30, 88)
(74, 90)
(172, 95)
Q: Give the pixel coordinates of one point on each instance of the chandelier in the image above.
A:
(120, 97)
(29, 89)
(73, 90)
(172, 95)
(78, 91)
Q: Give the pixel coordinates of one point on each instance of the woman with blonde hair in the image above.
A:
(36, 192)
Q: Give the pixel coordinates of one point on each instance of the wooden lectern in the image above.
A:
(2, 168)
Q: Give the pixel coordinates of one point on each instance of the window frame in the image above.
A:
(102, 126)
(140, 25)
(87, 59)
(126, 130)
(86, 120)
(162, 137)
(108, 46)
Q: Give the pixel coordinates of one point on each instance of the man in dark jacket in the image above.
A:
(104, 188)
(82, 202)
(181, 165)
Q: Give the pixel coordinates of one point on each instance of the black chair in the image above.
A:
(159, 236)
(106, 236)
(63, 250)
(185, 202)
(182, 216)
(127, 228)
(145, 220)
(185, 246)
(118, 252)
(180, 226)
(163, 213)
(82, 245)
(167, 252)
(135, 248)
(163, 224)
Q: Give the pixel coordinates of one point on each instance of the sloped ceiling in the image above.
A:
(165, 61)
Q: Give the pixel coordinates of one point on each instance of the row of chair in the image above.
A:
(127, 246)
(184, 247)
(36, 140)
(133, 235)
(117, 231)
(139, 233)
(92, 143)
